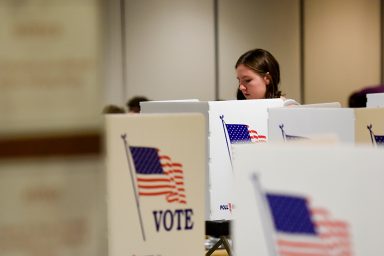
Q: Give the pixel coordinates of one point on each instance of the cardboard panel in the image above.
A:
(311, 123)
(156, 167)
(250, 115)
(313, 200)
(369, 125)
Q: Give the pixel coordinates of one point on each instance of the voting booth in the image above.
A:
(287, 124)
(155, 174)
(308, 200)
(228, 123)
(375, 100)
(342, 125)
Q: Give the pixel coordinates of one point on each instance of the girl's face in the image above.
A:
(251, 84)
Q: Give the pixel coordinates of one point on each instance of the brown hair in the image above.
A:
(113, 109)
(263, 63)
(134, 103)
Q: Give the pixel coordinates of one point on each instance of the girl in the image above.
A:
(258, 73)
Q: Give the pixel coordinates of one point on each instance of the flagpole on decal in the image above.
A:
(132, 171)
(226, 139)
(282, 131)
(371, 133)
(266, 215)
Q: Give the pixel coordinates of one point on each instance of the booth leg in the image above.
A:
(223, 240)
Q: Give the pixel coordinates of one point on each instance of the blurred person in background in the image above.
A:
(358, 99)
(133, 104)
(113, 109)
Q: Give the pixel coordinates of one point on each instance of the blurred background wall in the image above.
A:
(52, 184)
(187, 49)
(62, 61)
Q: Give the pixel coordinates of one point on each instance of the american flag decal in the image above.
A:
(377, 140)
(304, 231)
(158, 175)
(239, 133)
(289, 137)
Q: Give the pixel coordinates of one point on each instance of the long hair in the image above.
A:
(263, 63)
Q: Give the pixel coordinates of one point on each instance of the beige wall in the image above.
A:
(248, 24)
(50, 55)
(113, 81)
(342, 48)
(170, 46)
(168, 50)
(171, 54)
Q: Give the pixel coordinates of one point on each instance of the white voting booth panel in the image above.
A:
(375, 100)
(287, 124)
(347, 125)
(228, 121)
(308, 200)
(155, 175)
(321, 105)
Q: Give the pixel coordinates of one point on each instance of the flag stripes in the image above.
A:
(289, 137)
(294, 137)
(255, 137)
(304, 231)
(157, 175)
(240, 133)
